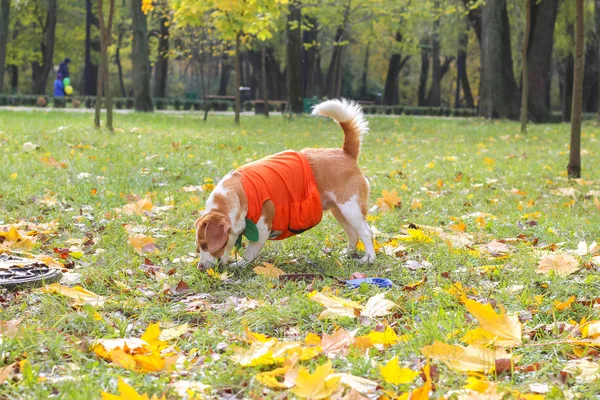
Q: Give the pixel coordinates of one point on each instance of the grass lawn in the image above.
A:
(476, 181)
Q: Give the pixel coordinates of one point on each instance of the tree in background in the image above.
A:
(161, 67)
(574, 167)
(499, 95)
(524, 81)
(103, 75)
(294, 57)
(233, 22)
(40, 72)
(541, 21)
(4, 21)
(140, 56)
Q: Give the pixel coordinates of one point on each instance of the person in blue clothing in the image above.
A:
(63, 68)
(59, 87)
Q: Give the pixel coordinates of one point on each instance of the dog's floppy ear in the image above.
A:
(216, 234)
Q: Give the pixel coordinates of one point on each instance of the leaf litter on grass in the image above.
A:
(474, 236)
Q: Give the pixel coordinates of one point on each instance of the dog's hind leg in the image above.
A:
(350, 231)
(352, 212)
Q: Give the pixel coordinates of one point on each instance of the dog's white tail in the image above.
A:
(349, 115)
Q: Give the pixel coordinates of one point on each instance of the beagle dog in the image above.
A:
(286, 193)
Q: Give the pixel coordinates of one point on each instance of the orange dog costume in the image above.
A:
(287, 180)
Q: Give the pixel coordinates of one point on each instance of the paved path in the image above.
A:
(91, 110)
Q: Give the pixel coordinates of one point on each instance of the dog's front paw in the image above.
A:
(368, 259)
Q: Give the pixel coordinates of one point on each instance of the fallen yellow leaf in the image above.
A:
(507, 329)
(392, 373)
(77, 293)
(562, 264)
(317, 385)
(126, 392)
(460, 358)
(268, 270)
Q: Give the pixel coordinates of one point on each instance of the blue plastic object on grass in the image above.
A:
(380, 282)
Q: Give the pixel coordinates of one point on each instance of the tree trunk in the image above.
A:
(161, 69)
(524, 76)
(14, 78)
(539, 58)
(90, 71)
(118, 61)
(462, 79)
(422, 100)
(277, 84)
(224, 79)
(574, 167)
(474, 16)
(294, 60)
(390, 91)
(597, 43)
(47, 47)
(238, 78)
(499, 94)
(333, 82)
(567, 88)
(311, 58)
(590, 78)
(4, 20)
(139, 58)
(364, 90)
(103, 76)
(263, 80)
(435, 93)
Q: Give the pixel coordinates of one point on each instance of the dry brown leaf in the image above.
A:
(9, 328)
(138, 207)
(6, 372)
(583, 370)
(562, 264)
(143, 244)
(336, 343)
(268, 270)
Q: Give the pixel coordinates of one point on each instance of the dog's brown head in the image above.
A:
(212, 233)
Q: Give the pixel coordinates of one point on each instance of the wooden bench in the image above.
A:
(366, 102)
(259, 105)
(209, 98)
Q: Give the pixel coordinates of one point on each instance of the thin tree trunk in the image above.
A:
(4, 20)
(312, 69)
(524, 76)
(90, 71)
(294, 59)
(14, 78)
(238, 78)
(118, 62)
(162, 59)
(423, 75)
(263, 80)
(41, 77)
(364, 91)
(224, 79)
(140, 60)
(443, 70)
(597, 40)
(461, 72)
(435, 99)
(567, 88)
(574, 167)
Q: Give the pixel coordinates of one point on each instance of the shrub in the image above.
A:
(75, 103)
(187, 105)
(129, 103)
(59, 102)
(161, 104)
(177, 104)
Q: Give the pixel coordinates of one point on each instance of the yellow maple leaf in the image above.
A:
(415, 235)
(460, 358)
(138, 207)
(151, 336)
(562, 264)
(80, 295)
(269, 378)
(143, 244)
(422, 393)
(126, 392)
(317, 385)
(268, 270)
(389, 200)
(119, 357)
(336, 306)
(560, 306)
(312, 339)
(394, 374)
(386, 338)
(507, 329)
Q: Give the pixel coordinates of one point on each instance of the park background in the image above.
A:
(399, 52)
